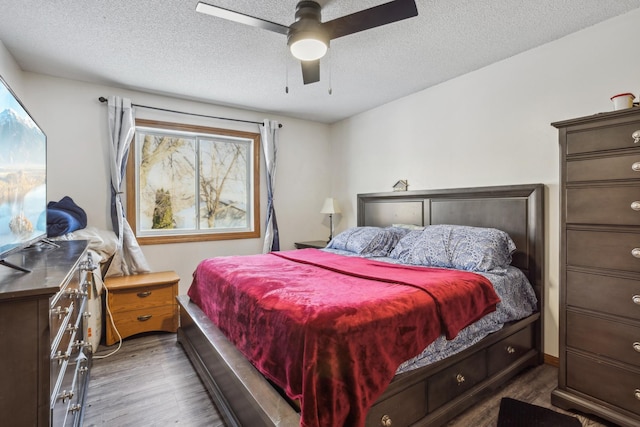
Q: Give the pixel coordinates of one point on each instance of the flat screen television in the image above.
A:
(23, 176)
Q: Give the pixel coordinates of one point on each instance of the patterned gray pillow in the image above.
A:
(456, 246)
(368, 241)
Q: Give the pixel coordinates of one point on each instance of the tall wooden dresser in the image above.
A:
(600, 266)
(44, 360)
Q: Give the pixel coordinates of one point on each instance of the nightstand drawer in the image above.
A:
(134, 299)
(146, 320)
(141, 303)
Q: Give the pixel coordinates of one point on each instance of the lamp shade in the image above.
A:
(330, 206)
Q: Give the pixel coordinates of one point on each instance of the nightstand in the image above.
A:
(141, 303)
(317, 244)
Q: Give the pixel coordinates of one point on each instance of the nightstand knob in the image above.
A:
(636, 166)
(511, 350)
(385, 421)
(637, 394)
(636, 299)
(636, 136)
(144, 294)
(636, 346)
(635, 252)
(635, 205)
(459, 379)
(144, 318)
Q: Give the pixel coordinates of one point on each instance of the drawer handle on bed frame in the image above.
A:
(636, 136)
(636, 166)
(635, 252)
(385, 421)
(144, 318)
(460, 378)
(635, 205)
(144, 294)
(636, 346)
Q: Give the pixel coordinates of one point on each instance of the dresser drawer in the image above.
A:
(603, 249)
(148, 296)
(402, 409)
(615, 340)
(604, 381)
(146, 320)
(585, 290)
(604, 168)
(509, 350)
(454, 381)
(616, 205)
(603, 138)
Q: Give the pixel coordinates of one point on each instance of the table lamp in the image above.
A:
(330, 207)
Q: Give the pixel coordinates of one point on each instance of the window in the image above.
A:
(192, 183)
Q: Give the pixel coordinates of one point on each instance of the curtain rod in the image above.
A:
(103, 99)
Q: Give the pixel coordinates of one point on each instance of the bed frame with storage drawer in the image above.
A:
(431, 395)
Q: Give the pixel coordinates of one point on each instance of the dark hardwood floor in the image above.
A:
(150, 382)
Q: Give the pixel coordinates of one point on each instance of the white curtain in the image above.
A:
(129, 256)
(268, 135)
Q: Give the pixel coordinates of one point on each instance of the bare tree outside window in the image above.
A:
(192, 183)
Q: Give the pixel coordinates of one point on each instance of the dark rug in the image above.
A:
(514, 413)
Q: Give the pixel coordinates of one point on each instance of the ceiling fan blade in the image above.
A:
(230, 15)
(310, 71)
(370, 18)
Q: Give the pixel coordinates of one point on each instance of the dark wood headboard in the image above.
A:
(516, 209)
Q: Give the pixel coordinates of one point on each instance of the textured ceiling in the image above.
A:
(167, 47)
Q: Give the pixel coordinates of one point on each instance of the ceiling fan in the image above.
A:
(308, 38)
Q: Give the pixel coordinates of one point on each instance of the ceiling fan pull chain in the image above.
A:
(286, 75)
(329, 67)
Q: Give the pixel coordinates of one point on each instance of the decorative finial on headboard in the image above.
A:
(402, 185)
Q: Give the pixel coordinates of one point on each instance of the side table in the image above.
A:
(141, 303)
(317, 244)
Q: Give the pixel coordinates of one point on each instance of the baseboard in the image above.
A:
(551, 360)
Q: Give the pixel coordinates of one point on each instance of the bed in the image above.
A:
(427, 395)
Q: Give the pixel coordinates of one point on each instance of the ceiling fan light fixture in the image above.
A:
(308, 49)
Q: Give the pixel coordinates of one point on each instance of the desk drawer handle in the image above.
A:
(144, 318)
(636, 299)
(635, 205)
(144, 294)
(635, 252)
(636, 166)
(636, 136)
(636, 346)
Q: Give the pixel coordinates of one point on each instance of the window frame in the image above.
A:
(200, 236)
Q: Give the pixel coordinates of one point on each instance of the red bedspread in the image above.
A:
(332, 330)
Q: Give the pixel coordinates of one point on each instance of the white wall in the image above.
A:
(491, 127)
(76, 126)
(10, 71)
